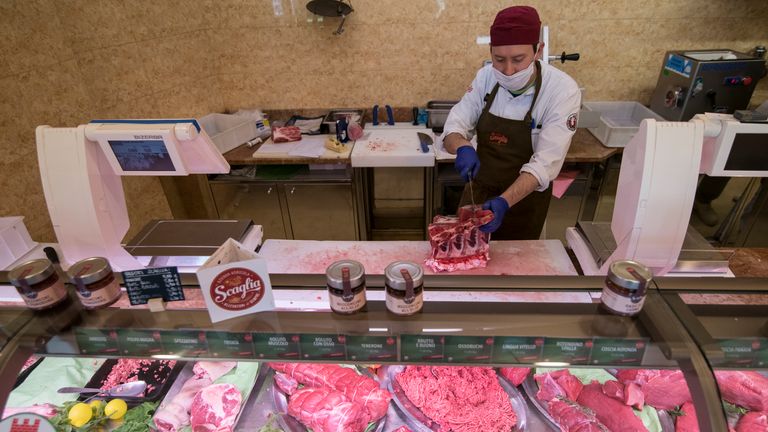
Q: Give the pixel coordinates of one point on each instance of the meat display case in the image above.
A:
(472, 321)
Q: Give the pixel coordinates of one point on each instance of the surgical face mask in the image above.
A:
(515, 81)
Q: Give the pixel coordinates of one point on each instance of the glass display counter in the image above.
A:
(509, 353)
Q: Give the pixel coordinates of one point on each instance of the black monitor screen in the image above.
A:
(148, 155)
(748, 153)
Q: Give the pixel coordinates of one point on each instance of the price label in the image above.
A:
(145, 284)
(97, 341)
(140, 342)
(323, 347)
(743, 352)
(618, 352)
(277, 346)
(422, 348)
(468, 349)
(573, 351)
(517, 349)
(185, 343)
(230, 345)
(372, 348)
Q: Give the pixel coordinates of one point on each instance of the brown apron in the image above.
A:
(503, 147)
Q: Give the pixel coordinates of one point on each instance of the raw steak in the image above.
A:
(285, 383)
(663, 389)
(744, 388)
(515, 375)
(573, 417)
(459, 398)
(215, 408)
(614, 389)
(558, 384)
(686, 422)
(286, 134)
(359, 389)
(752, 422)
(634, 396)
(324, 410)
(457, 243)
(612, 413)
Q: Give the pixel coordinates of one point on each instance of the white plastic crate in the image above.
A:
(619, 121)
(15, 241)
(228, 131)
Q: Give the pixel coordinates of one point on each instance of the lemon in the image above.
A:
(115, 409)
(80, 414)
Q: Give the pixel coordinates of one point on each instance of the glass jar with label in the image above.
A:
(346, 286)
(95, 283)
(404, 283)
(38, 284)
(625, 287)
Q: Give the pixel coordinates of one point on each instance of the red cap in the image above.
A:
(516, 25)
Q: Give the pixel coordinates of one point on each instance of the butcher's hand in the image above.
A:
(499, 207)
(467, 163)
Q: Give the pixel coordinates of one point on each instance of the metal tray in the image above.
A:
(290, 424)
(531, 388)
(165, 378)
(419, 422)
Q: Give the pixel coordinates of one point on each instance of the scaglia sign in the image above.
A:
(235, 282)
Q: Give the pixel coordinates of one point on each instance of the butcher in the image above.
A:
(524, 114)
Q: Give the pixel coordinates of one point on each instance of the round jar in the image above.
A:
(95, 283)
(625, 287)
(38, 284)
(346, 286)
(404, 283)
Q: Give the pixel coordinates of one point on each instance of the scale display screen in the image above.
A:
(146, 155)
(749, 152)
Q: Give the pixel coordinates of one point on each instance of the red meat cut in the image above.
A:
(459, 398)
(285, 383)
(324, 410)
(457, 243)
(359, 389)
(686, 422)
(515, 375)
(557, 384)
(748, 389)
(634, 396)
(614, 389)
(215, 408)
(616, 416)
(663, 389)
(753, 422)
(286, 134)
(572, 417)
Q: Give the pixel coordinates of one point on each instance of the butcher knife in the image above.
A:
(425, 141)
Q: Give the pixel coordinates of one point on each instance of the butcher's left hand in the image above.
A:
(499, 207)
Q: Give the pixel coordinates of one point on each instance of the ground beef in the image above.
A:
(127, 370)
(459, 398)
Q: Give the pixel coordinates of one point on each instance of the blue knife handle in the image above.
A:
(390, 116)
(375, 115)
(424, 148)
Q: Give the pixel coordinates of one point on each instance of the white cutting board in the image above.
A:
(392, 148)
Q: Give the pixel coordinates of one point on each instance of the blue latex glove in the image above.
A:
(467, 162)
(499, 207)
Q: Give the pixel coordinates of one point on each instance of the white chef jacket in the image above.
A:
(556, 110)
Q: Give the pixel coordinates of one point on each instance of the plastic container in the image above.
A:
(619, 121)
(15, 241)
(228, 131)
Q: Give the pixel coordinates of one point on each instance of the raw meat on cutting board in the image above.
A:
(286, 134)
(359, 389)
(326, 410)
(457, 243)
(215, 408)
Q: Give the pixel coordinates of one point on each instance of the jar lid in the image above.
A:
(394, 276)
(31, 272)
(625, 274)
(333, 273)
(90, 270)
